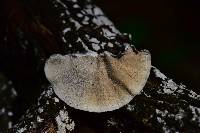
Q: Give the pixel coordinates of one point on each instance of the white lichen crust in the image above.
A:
(98, 83)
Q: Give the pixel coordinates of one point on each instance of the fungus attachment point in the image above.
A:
(98, 83)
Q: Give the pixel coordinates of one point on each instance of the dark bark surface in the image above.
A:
(33, 30)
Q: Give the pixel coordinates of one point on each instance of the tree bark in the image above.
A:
(33, 30)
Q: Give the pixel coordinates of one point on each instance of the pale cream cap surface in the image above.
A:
(98, 83)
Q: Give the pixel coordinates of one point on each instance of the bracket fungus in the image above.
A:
(98, 83)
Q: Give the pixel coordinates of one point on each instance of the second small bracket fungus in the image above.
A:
(98, 83)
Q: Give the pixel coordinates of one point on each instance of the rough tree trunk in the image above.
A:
(32, 30)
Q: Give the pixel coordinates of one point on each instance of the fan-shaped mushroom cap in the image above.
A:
(98, 83)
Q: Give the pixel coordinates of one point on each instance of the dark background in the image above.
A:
(169, 29)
